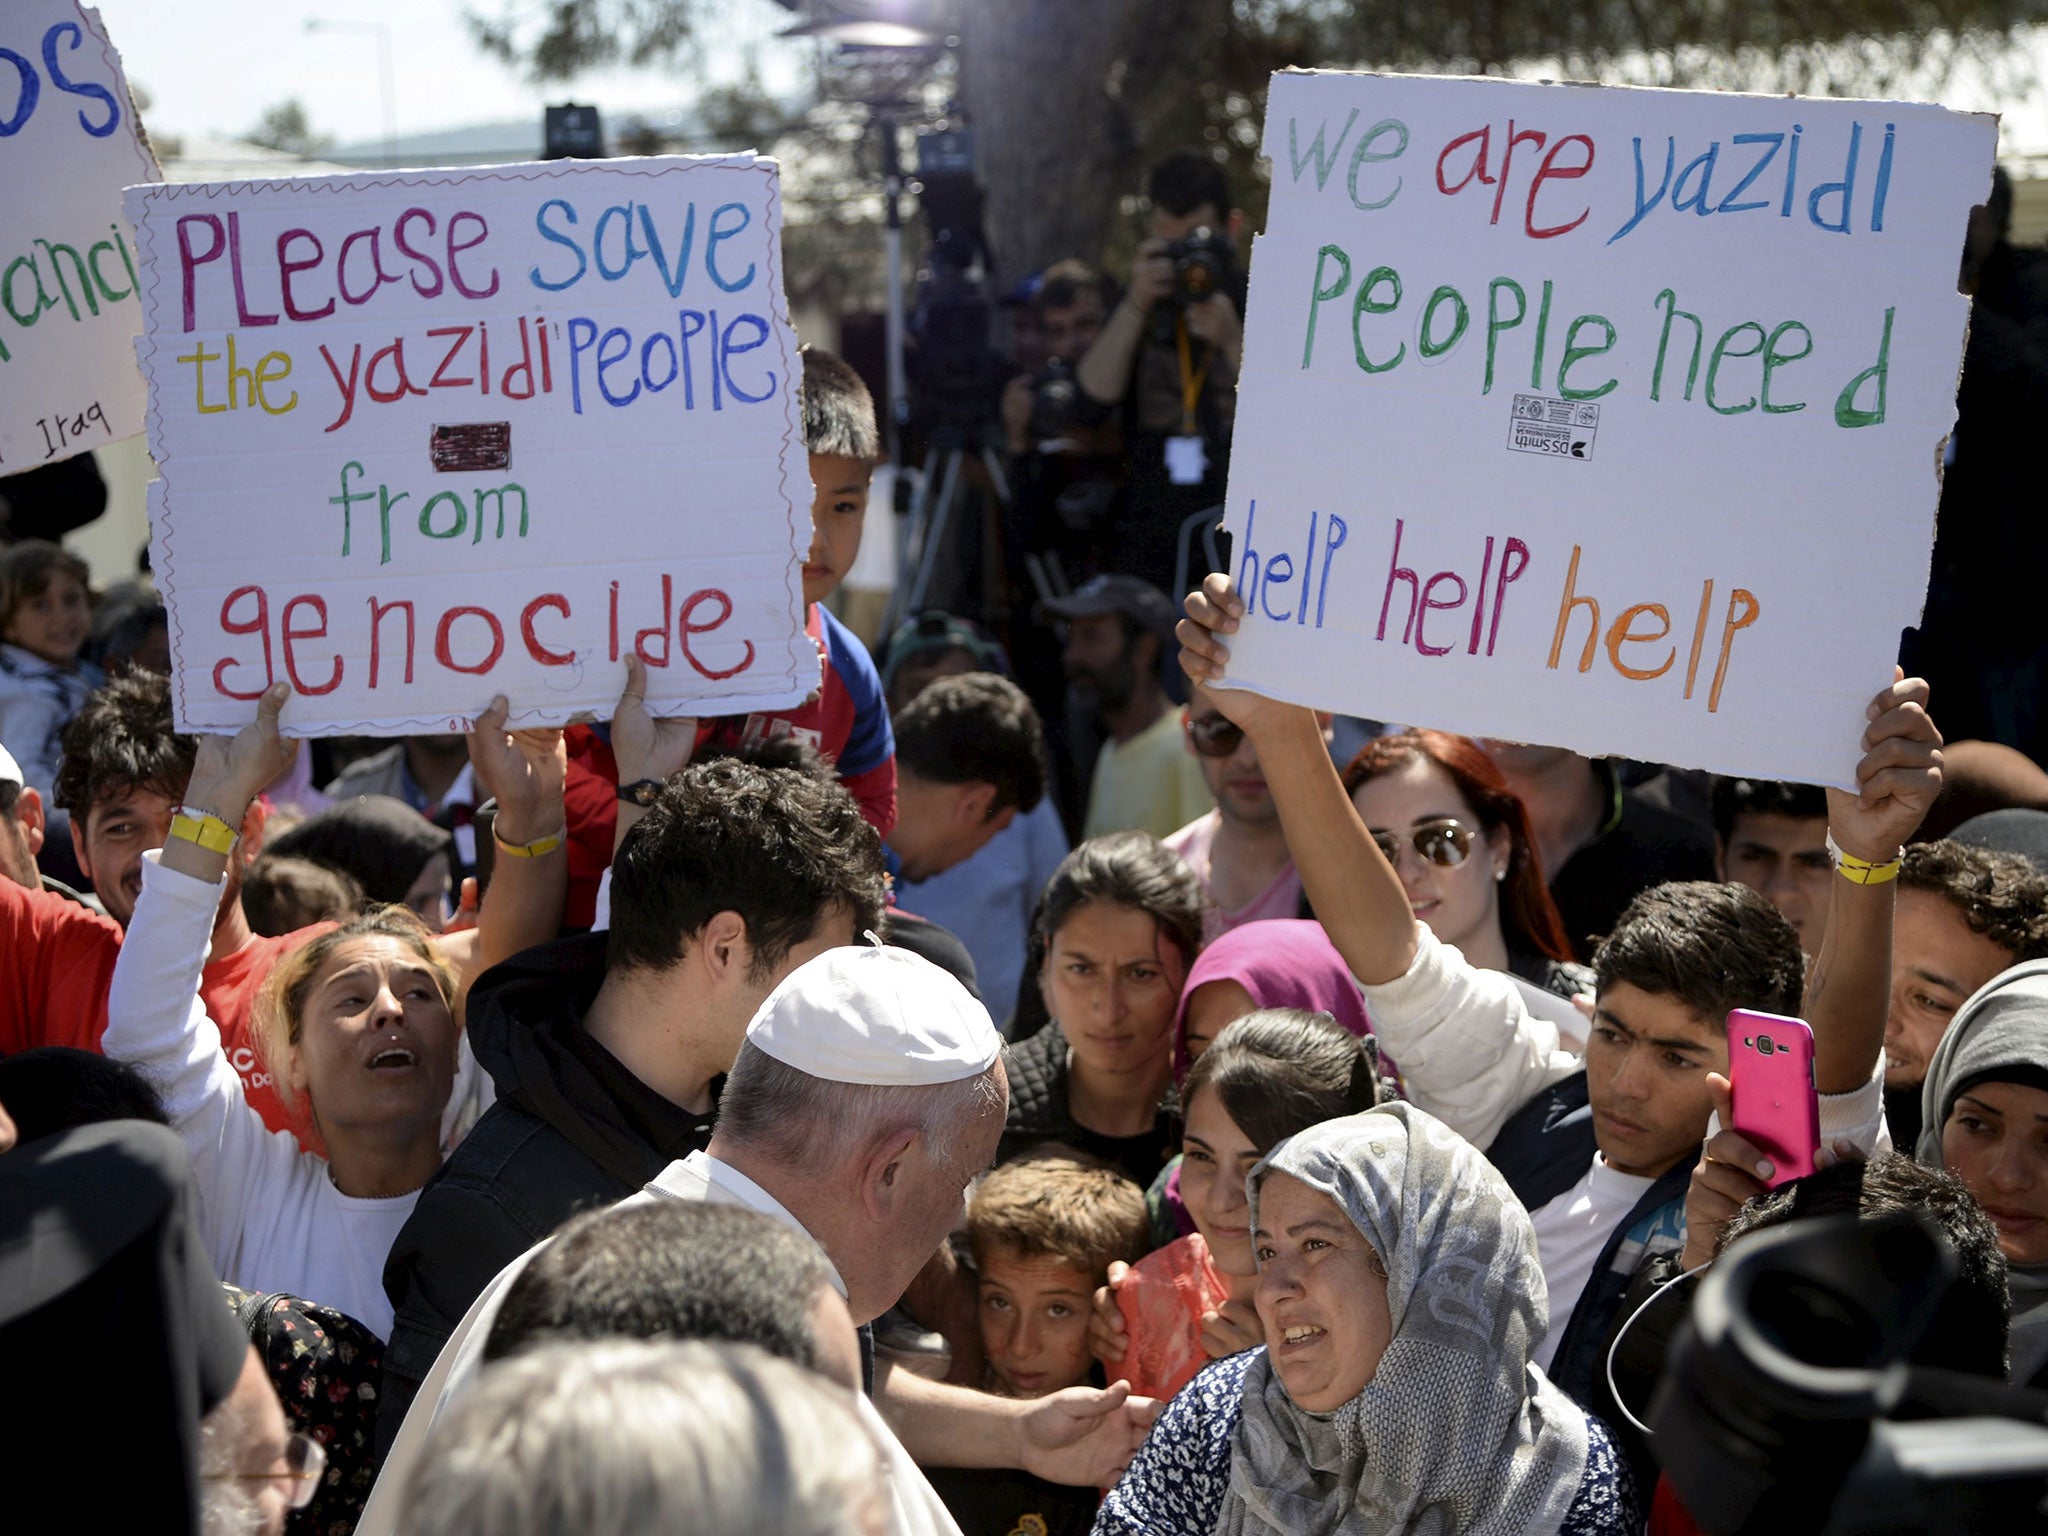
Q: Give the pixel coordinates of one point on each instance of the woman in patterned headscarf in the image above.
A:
(1401, 1299)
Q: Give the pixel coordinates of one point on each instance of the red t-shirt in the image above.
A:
(848, 721)
(59, 965)
(228, 986)
(56, 963)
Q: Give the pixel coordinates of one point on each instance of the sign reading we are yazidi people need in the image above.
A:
(428, 437)
(1601, 418)
(69, 309)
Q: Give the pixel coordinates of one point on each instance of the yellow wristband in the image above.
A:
(539, 848)
(1863, 871)
(205, 829)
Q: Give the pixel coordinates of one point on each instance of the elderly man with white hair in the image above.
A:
(869, 1093)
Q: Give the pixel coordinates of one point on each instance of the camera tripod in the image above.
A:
(943, 488)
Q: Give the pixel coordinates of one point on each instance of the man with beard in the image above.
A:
(1238, 851)
(1964, 914)
(1144, 779)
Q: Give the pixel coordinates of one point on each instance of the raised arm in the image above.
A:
(644, 747)
(524, 772)
(1848, 989)
(155, 1019)
(1470, 1050)
(1356, 894)
(1105, 372)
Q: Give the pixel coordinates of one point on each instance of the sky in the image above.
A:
(213, 66)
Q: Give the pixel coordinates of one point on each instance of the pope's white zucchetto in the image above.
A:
(877, 1016)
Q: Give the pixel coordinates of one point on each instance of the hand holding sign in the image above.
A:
(432, 437)
(1538, 384)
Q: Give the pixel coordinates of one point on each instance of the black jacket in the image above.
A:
(1544, 1149)
(1037, 1071)
(571, 1129)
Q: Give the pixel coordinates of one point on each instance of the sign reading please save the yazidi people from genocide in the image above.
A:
(68, 304)
(1599, 418)
(433, 436)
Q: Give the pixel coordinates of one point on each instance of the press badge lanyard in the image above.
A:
(1191, 378)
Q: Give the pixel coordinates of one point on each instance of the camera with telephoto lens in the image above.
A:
(1054, 393)
(1792, 1402)
(1204, 262)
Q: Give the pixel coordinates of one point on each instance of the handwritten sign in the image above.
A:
(68, 305)
(433, 436)
(1599, 418)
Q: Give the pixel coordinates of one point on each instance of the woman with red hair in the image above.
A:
(1459, 838)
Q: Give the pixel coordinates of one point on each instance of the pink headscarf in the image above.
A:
(1282, 963)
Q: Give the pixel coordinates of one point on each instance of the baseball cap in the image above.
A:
(1139, 601)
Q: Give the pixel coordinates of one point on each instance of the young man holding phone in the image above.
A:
(1601, 1150)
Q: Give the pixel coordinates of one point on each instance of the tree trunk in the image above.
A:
(1037, 80)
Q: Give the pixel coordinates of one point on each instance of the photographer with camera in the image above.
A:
(1168, 358)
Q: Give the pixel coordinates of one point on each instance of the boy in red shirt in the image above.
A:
(847, 718)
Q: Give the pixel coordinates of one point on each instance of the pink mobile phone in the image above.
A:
(1770, 1064)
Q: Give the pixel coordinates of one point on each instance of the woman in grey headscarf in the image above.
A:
(1401, 1298)
(1985, 1119)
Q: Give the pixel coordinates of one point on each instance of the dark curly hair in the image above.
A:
(2000, 895)
(779, 846)
(123, 739)
(1715, 947)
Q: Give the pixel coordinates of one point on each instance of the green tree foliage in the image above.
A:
(285, 127)
(1072, 98)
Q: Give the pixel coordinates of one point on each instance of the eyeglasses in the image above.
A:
(1214, 735)
(1443, 842)
(304, 1463)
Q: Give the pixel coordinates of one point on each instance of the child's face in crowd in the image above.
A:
(1034, 1322)
(1458, 902)
(1996, 1142)
(1212, 1006)
(377, 1038)
(1647, 1061)
(1937, 962)
(53, 624)
(1106, 980)
(1322, 1296)
(1215, 1157)
(839, 508)
(1784, 859)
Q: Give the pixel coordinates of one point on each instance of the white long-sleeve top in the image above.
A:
(1472, 1051)
(271, 1217)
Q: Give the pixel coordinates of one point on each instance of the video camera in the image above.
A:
(955, 373)
(1790, 1403)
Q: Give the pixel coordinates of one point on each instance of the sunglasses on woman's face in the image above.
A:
(1442, 842)
(1215, 735)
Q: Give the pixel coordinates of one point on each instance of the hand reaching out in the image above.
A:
(230, 772)
(1897, 779)
(1107, 1337)
(523, 770)
(1213, 615)
(647, 748)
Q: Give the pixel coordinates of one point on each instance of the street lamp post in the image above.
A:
(387, 91)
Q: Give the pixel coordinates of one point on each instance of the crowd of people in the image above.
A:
(773, 1124)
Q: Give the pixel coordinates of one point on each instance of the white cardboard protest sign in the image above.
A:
(431, 436)
(68, 305)
(1601, 418)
